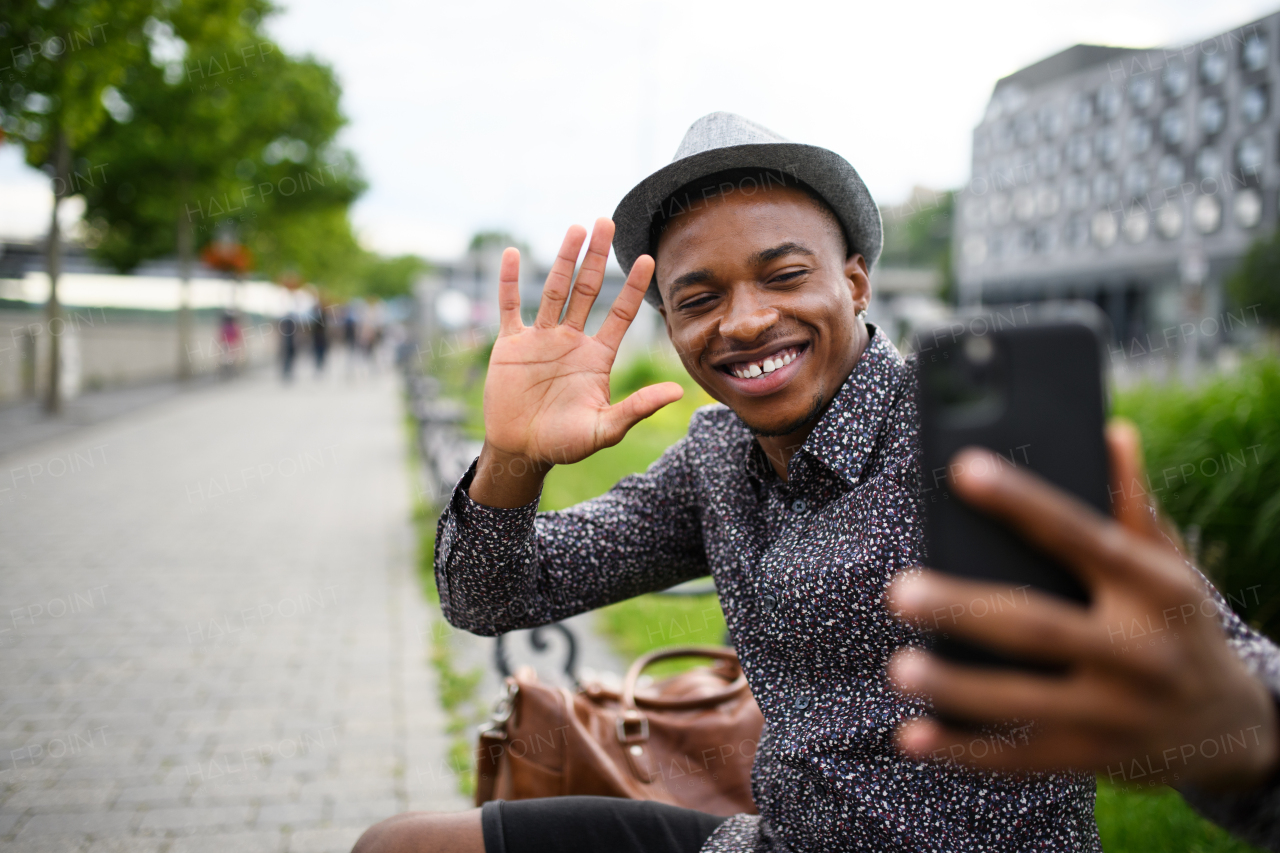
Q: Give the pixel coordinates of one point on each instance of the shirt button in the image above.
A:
(801, 703)
(767, 603)
(799, 506)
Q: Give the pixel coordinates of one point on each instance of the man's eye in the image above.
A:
(790, 275)
(697, 302)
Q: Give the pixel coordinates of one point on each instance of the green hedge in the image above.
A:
(1213, 462)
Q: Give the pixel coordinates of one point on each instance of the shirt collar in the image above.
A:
(846, 433)
(848, 430)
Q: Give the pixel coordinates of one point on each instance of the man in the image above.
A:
(799, 496)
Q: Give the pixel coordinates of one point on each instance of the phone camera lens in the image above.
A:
(979, 350)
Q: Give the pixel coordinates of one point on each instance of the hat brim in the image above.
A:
(829, 174)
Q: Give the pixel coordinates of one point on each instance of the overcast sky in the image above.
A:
(529, 116)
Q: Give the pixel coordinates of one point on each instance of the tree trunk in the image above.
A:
(53, 311)
(186, 250)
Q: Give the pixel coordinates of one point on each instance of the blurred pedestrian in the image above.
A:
(319, 338)
(230, 345)
(288, 345)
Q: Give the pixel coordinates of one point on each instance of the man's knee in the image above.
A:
(424, 832)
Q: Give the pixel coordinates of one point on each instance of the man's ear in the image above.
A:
(859, 280)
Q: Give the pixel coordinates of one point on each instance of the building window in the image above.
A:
(1170, 171)
(1046, 237)
(1024, 204)
(1048, 160)
(1213, 69)
(1250, 155)
(1136, 180)
(1077, 232)
(1247, 208)
(1025, 130)
(1002, 135)
(1254, 53)
(1109, 102)
(1253, 103)
(1106, 189)
(1176, 79)
(1139, 134)
(1076, 193)
(1212, 116)
(1169, 221)
(1103, 228)
(1079, 151)
(1108, 143)
(998, 208)
(1206, 214)
(1137, 225)
(1050, 122)
(1208, 163)
(1173, 127)
(1142, 92)
(1047, 202)
(1081, 110)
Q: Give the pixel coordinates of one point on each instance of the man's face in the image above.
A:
(761, 302)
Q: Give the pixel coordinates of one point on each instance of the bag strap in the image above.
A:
(731, 691)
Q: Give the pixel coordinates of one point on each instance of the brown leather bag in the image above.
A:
(688, 740)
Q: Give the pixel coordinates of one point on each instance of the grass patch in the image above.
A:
(457, 688)
(1157, 821)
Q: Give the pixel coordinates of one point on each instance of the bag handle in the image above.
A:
(733, 690)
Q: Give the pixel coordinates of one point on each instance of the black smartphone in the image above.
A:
(1029, 386)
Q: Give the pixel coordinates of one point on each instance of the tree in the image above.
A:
(388, 278)
(68, 57)
(1257, 280)
(229, 139)
(918, 234)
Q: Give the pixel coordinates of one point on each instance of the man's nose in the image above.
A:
(748, 316)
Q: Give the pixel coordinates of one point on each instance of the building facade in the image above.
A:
(1135, 178)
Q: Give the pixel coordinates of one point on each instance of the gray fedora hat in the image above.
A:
(721, 141)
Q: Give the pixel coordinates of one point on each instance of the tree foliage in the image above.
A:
(918, 234)
(1257, 280)
(65, 61)
(228, 137)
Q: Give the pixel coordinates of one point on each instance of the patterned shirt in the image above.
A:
(801, 567)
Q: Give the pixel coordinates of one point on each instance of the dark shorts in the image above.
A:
(588, 824)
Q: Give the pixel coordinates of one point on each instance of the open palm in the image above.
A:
(546, 397)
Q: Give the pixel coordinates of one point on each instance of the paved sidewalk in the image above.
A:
(24, 425)
(211, 638)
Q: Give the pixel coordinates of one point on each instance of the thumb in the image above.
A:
(622, 416)
(1130, 499)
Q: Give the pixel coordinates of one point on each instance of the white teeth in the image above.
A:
(768, 365)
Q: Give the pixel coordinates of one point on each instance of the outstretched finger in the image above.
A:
(622, 416)
(1023, 747)
(509, 293)
(1100, 550)
(556, 289)
(590, 275)
(627, 305)
(1019, 621)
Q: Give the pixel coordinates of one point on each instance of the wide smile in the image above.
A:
(765, 373)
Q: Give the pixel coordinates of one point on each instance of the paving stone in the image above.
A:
(239, 842)
(48, 842)
(332, 840)
(129, 844)
(283, 619)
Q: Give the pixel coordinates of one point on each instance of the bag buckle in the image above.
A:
(624, 719)
(502, 710)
